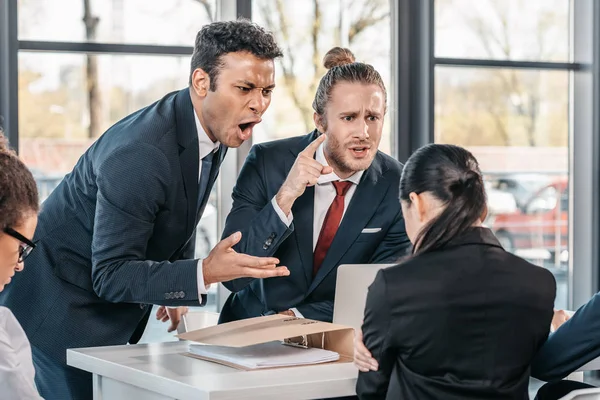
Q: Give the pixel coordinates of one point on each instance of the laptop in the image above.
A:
(353, 281)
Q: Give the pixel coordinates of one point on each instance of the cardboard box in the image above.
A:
(258, 330)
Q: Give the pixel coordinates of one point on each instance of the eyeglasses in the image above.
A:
(26, 245)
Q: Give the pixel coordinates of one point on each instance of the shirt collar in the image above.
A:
(206, 145)
(331, 177)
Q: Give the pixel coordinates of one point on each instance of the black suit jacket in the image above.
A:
(117, 234)
(463, 322)
(374, 205)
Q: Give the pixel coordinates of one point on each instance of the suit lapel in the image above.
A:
(214, 173)
(303, 210)
(219, 157)
(366, 200)
(187, 137)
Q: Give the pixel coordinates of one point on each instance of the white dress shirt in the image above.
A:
(16, 365)
(324, 195)
(206, 146)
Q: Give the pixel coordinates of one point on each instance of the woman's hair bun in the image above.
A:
(338, 56)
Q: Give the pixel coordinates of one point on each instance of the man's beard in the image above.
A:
(336, 157)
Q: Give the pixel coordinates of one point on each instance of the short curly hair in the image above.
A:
(219, 38)
(18, 190)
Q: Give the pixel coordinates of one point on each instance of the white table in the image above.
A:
(593, 365)
(159, 372)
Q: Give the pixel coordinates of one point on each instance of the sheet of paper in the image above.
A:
(265, 355)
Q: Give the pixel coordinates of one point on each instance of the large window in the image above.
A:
(68, 99)
(60, 114)
(513, 116)
(502, 86)
(173, 22)
(307, 29)
(533, 30)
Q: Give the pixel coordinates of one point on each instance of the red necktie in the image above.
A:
(330, 224)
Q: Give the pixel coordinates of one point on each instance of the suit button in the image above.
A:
(168, 296)
(269, 241)
(181, 295)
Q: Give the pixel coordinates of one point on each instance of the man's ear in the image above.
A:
(319, 122)
(200, 82)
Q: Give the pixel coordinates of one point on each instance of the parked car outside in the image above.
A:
(541, 224)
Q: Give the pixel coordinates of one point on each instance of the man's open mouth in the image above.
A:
(246, 129)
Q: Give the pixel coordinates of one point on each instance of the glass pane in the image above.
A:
(534, 30)
(354, 24)
(55, 128)
(516, 123)
(173, 22)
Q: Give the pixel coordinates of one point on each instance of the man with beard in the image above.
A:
(320, 200)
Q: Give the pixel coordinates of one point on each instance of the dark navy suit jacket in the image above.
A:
(375, 204)
(116, 235)
(573, 345)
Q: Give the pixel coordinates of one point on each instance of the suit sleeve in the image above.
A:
(253, 214)
(189, 251)
(573, 345)
(320, 311)
(132, 185)
(394, 245)
(378, 339)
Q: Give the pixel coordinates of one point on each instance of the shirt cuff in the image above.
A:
(297, 313)
(202, 288)
(285, 219)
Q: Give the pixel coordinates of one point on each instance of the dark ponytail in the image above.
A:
(452, 175)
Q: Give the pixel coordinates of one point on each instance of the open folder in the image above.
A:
(264, 355)
(256, 343)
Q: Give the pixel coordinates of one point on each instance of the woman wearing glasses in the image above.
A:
(18, 218)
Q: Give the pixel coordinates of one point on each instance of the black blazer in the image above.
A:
(463, 322)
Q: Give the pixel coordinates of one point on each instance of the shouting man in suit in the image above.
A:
(116, 236)
(320, 200)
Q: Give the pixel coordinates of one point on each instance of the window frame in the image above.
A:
(412, 97)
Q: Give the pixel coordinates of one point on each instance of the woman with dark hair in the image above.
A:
(461, 318)
(18, 219)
